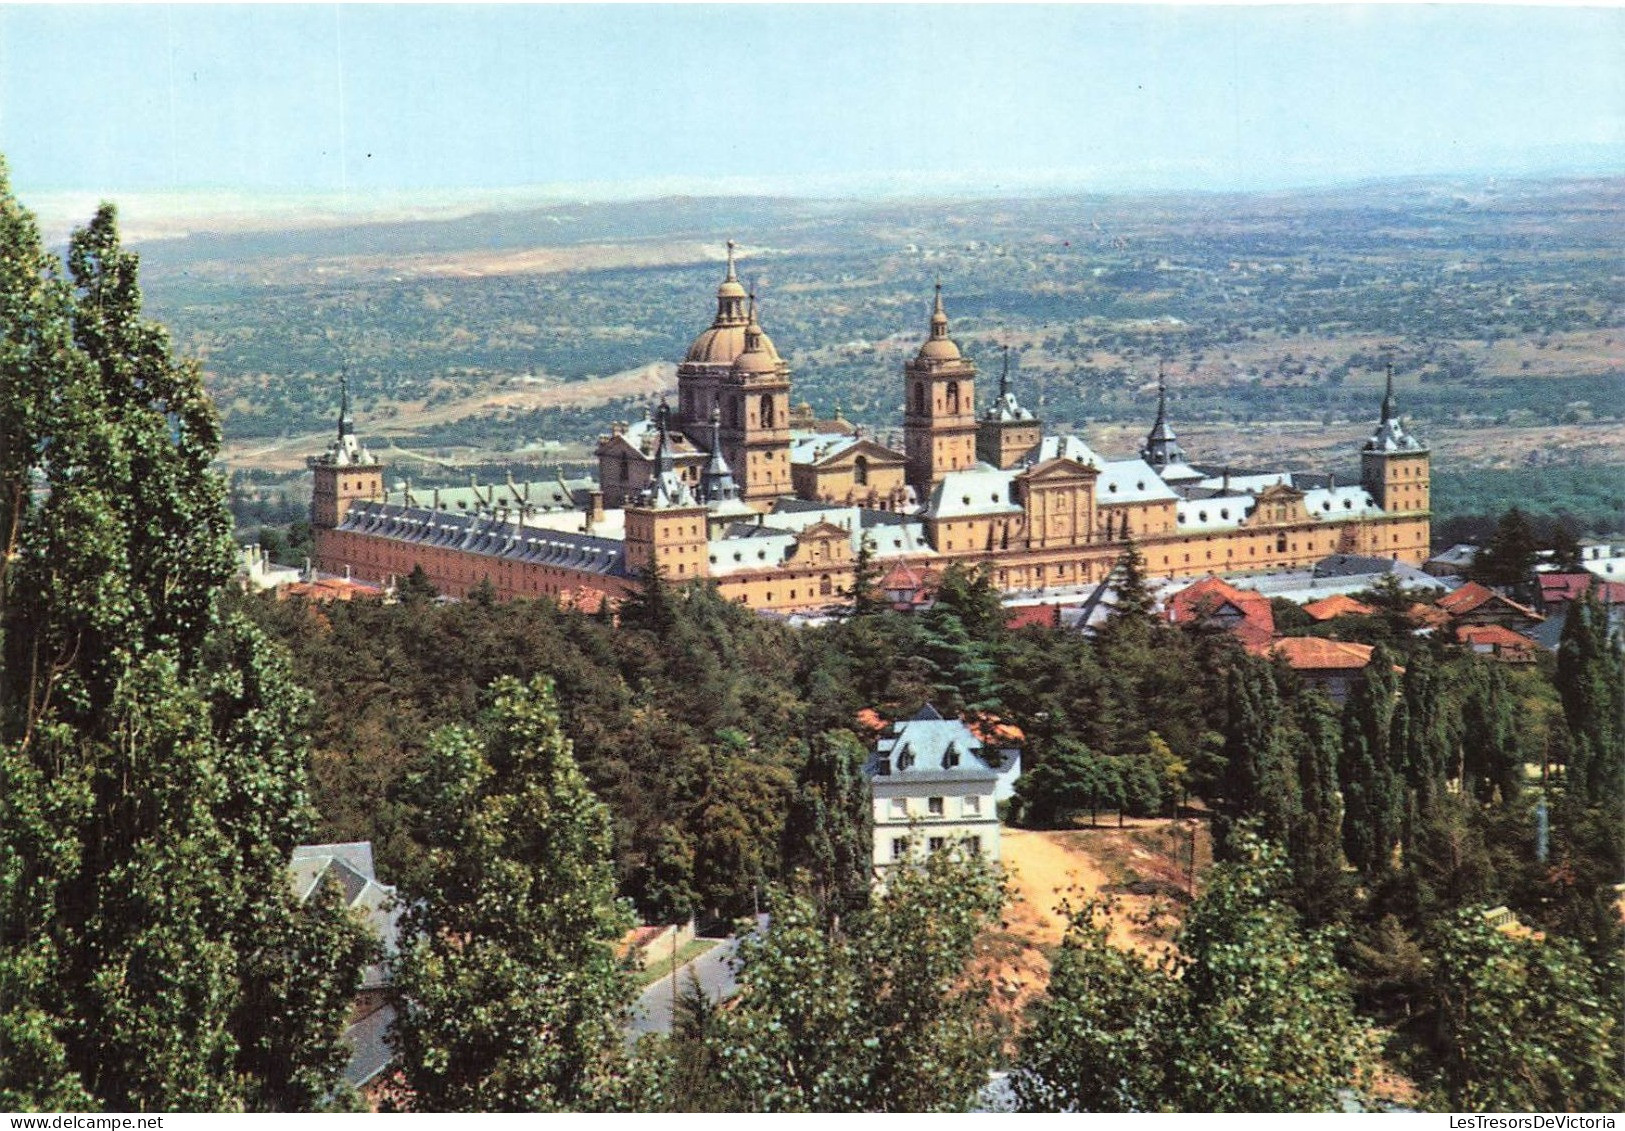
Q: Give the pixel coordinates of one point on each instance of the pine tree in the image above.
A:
(1315, 847)
(1371, 800)
(151, 765)
(865, 593)
(509, 994)
(1260, 780)
(1591, 684)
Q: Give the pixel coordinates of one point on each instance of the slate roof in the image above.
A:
(919, 748)
(488, 536)
(350, 867)
(1132, 481)
(982, 489)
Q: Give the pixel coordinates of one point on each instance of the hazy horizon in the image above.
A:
(364, 104)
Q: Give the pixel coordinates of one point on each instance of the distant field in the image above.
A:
(500, 334)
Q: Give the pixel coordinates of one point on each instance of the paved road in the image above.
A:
(652, 1014)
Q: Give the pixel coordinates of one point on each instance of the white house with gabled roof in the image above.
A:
(935, 785)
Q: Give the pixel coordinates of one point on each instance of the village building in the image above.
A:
(774, 506)
(935, 784)
(1331, 665)
(349, 868)
(1475, 604)
(1214, 603)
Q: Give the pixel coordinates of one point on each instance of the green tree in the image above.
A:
(1260, 779)
(1591, 685)
(1315, 847)
(151, 759)
(509, 993)
(1371, 799)
(1510, 555)
(1070, 778)
(1102, 1033)
(865, 594)
(828, 831)
(877, 1014)
(416, 588)
(1523, 1023)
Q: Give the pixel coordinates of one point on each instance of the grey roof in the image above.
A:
(1354, 565)
(917, 749)
(1462, 554)
(1131, 481)
(1064, 447)
(982, 489)
(350, 867)
(487, 535)
(369, 1046)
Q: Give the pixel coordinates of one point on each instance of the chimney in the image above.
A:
(595, 508)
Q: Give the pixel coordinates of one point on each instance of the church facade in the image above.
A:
(736, 487)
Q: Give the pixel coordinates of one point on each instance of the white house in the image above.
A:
(935, 785)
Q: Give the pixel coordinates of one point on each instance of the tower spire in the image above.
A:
(939, 316)
(1388, 396)
(1004, 375)
(346, 420)
(732, 275)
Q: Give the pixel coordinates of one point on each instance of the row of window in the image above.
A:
(970, 845)
(969, 806)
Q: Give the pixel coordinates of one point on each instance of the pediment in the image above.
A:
(1280, 493)
(820, 531)
(1059, 469)
(875, 453)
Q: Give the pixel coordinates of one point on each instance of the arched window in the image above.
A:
(860, 471)
(953, 396)
(919, 398)
(626, 470)
(765, 411)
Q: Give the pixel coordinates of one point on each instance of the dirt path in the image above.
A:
(1043, 871)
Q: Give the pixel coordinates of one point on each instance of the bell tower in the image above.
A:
(345, 473)
(939, 407)
(753, 403)
(1394, 464)
(1006, 431)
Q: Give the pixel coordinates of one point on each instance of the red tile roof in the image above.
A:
(1254, 620)
(1473, 595)
(1339, 605)
(1500, 640)
(329, 589)
(1312, 653)
(1049, 616)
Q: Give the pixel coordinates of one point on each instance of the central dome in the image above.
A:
(724, 339)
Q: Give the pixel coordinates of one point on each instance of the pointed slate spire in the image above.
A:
(939, 316)
(1388, 397)
(717, 481)
(1161, 445)
(346, 420)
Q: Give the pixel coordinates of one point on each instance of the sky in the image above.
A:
(616, 99)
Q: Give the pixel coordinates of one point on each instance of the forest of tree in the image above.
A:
(532, 776)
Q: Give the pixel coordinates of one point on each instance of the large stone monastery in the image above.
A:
(774, 507)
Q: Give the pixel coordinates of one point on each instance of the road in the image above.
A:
(652, 1013)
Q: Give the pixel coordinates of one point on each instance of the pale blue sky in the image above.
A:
(145, 98)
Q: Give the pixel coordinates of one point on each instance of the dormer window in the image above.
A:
(950, 757)
(905, 759)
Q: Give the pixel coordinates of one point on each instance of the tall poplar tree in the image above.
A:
(151, 759)
(510, 996)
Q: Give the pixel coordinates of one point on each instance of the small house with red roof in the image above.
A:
(1331, 665)
(1498, 643)
(1215, 602)
(1478, 604)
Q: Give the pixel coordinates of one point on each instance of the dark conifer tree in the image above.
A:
(828, 829)
(1371, 801)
